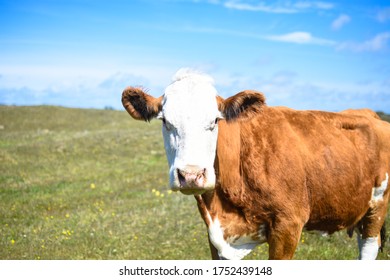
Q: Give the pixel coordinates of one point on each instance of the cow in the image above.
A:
(264, 174)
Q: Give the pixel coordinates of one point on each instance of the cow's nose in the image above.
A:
(192, 176)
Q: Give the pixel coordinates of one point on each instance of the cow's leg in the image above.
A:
(283, 239)
(207, 219)
(369, 239)
(368, 247)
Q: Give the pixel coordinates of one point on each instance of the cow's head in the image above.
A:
(190, 110)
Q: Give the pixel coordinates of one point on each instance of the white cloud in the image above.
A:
(340, 21)
(260, 7)
(24, 85)
(79, 96)
(283, 78)
(383, 15)
(279, 7)
(105, 94)
(378, 43)
(299, 37)
(287, 88)
(314, 5)
(284, 88)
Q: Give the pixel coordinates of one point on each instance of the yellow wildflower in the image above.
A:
(92, 186)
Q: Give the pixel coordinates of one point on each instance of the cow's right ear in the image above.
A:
(140, 105)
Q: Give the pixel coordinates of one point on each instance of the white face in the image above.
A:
(190, 130)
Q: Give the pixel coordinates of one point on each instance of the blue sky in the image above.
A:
(323, 55)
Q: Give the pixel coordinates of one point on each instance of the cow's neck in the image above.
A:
(227, 161)
(225, 202)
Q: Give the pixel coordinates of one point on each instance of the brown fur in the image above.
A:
(361, 112)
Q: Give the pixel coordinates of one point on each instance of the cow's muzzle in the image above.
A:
(192, 180)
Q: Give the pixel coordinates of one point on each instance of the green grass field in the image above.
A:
(92, 184)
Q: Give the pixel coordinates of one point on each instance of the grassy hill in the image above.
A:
(384, 116)
(91, 184)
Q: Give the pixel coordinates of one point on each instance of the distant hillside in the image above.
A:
(384, 116)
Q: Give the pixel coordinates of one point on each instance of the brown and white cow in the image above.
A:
(263, 174)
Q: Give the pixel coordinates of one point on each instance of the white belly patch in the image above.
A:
(233, 247)
(378, 192)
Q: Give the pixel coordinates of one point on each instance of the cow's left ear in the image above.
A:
(140, 105)
(244, 104)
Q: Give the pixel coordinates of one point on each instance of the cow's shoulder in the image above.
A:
(311, 123)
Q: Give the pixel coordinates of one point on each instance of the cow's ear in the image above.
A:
(242, 105)
(140, 105)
